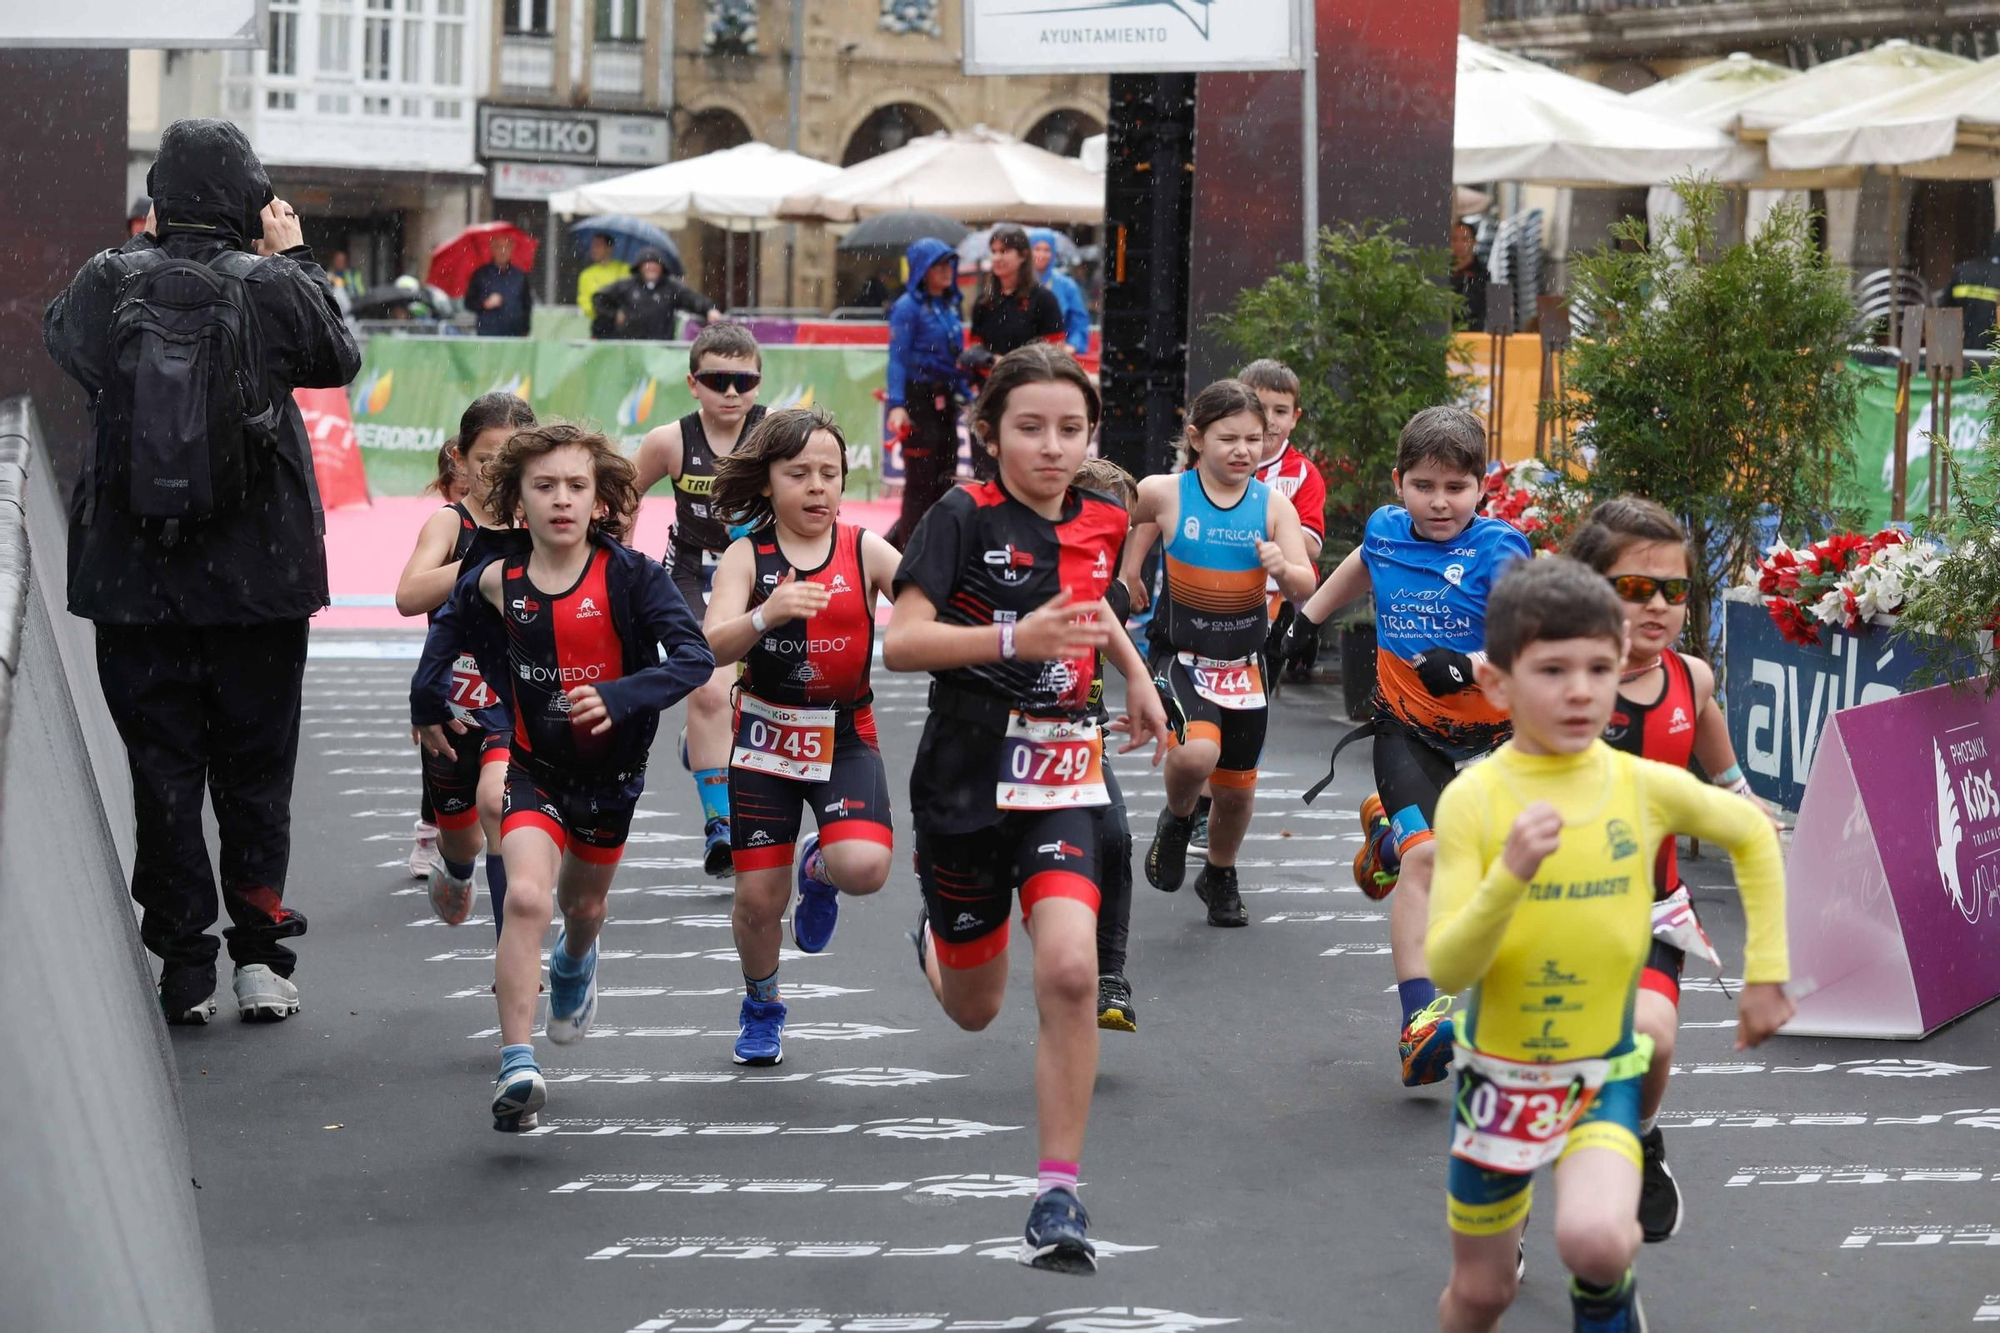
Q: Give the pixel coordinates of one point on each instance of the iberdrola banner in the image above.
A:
(410, 392)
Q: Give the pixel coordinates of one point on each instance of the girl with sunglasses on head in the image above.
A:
(725, 367)
(1666, 712)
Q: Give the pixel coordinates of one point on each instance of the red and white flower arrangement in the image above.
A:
(1527, 496)
(1846, 580)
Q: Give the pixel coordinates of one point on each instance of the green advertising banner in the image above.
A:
(1875, 437)
(410, 392)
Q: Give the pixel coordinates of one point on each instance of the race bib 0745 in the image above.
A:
(794, 743)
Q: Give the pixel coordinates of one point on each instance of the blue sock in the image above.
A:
(712, 785)
(516, 1057)
(560, 959)
(763, 991)
(496, 889)
(455, 869)
(1415, 994)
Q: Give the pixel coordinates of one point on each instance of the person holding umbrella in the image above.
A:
(499, 294)
(925, 384)
(643, 305)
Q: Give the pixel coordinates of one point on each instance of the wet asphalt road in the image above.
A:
(1253, 1160)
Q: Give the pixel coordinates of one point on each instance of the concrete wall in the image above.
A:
(97, 1192)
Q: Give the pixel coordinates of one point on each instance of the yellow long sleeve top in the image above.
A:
(1555, 961)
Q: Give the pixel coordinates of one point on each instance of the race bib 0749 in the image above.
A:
(794, 743)
(1050, 763)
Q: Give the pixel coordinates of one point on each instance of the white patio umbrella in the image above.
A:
(1842, 83)
(1096, 154)
(1519, 121)
(736, 188)
(976, 175)
(1946, 127)
(1715, 95)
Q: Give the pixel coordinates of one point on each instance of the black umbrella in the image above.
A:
(897, 232)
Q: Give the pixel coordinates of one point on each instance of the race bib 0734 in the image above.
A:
(1513, 1116)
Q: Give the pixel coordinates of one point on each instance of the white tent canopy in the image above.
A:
(1945, 127)
(1842, 83)
(738, 188)
(976, 175)
(1519, 121)
(1715, 95)
(1096, 154)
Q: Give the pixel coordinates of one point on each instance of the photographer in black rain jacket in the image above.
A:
(200, 575)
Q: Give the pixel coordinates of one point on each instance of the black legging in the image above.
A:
(930, 456)
(1114, 873)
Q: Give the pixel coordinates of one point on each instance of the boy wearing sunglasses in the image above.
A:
(725, 368)
(1666, 712)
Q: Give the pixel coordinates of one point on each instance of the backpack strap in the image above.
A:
(239, 264)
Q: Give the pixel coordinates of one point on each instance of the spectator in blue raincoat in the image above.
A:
(1076, 315)
(925, 385)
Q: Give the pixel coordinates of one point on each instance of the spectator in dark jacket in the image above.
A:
(201, 631)
(925, 385)
(643, 305)
(501, 295)
(1975, 289)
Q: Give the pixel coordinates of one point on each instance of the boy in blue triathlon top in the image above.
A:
(1543, 908)
(1223, 533)
(1430, 563)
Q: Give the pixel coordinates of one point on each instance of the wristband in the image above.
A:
(1740, 787)
(1730, 778)
(1006, 641)
(757, 621)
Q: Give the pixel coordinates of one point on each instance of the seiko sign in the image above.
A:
(535, 134)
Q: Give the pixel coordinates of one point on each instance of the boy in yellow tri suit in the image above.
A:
(1542, 904)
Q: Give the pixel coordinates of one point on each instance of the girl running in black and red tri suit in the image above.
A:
(1666, 712)
(463, 793)
(1000, 597)
(795, 602)
(574, 623)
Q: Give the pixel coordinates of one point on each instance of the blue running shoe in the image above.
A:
(1617, 1311)
(760, 1036)
(715, 859)
(1426, 1043)
(1056, 1237)
(572, 994)
(818, 908)
(518, 1094)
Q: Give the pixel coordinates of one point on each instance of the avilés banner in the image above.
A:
(1894, 874)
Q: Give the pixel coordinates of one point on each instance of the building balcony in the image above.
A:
(527, 66)
(618, 72)
(1611, 29)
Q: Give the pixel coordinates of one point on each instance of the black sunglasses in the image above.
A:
(722, 381)
(1639, 588)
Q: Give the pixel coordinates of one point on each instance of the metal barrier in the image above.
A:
(97, 1190)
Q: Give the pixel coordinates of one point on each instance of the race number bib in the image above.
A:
(468, 688)
(1675, 923)
(1232, 685)
(1049, 763)
(1512, 1116)
(794, 743)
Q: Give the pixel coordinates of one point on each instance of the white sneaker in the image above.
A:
(451, 898)
(262, 996)
(424, 851)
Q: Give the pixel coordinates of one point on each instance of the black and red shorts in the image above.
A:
(1238, 733)
(591, 822)
(451, 786)
(1662, 973)
(766, 811)
(969, 879)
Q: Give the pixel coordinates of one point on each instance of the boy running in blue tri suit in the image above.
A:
(1430, 563)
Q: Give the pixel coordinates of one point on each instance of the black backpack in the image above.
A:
(184, 420)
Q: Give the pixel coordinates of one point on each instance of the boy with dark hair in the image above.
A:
(1430, 563)
(1291, 474)
(725, 366)
(1544, 907)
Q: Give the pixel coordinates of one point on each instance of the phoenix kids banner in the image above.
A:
(410, 392)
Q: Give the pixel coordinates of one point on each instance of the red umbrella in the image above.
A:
(452, 263)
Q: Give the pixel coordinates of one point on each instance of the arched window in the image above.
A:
(1063, 132)
(887, 129)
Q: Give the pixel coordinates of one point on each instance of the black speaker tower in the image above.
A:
(1148, 217)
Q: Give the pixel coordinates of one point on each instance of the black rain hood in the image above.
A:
(651, 255)
(207, 181)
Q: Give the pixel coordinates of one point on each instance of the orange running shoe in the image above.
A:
(1376, 865)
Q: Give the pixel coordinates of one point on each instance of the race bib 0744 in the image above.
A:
(1231, 685)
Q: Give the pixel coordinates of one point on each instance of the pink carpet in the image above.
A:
(367, 548)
